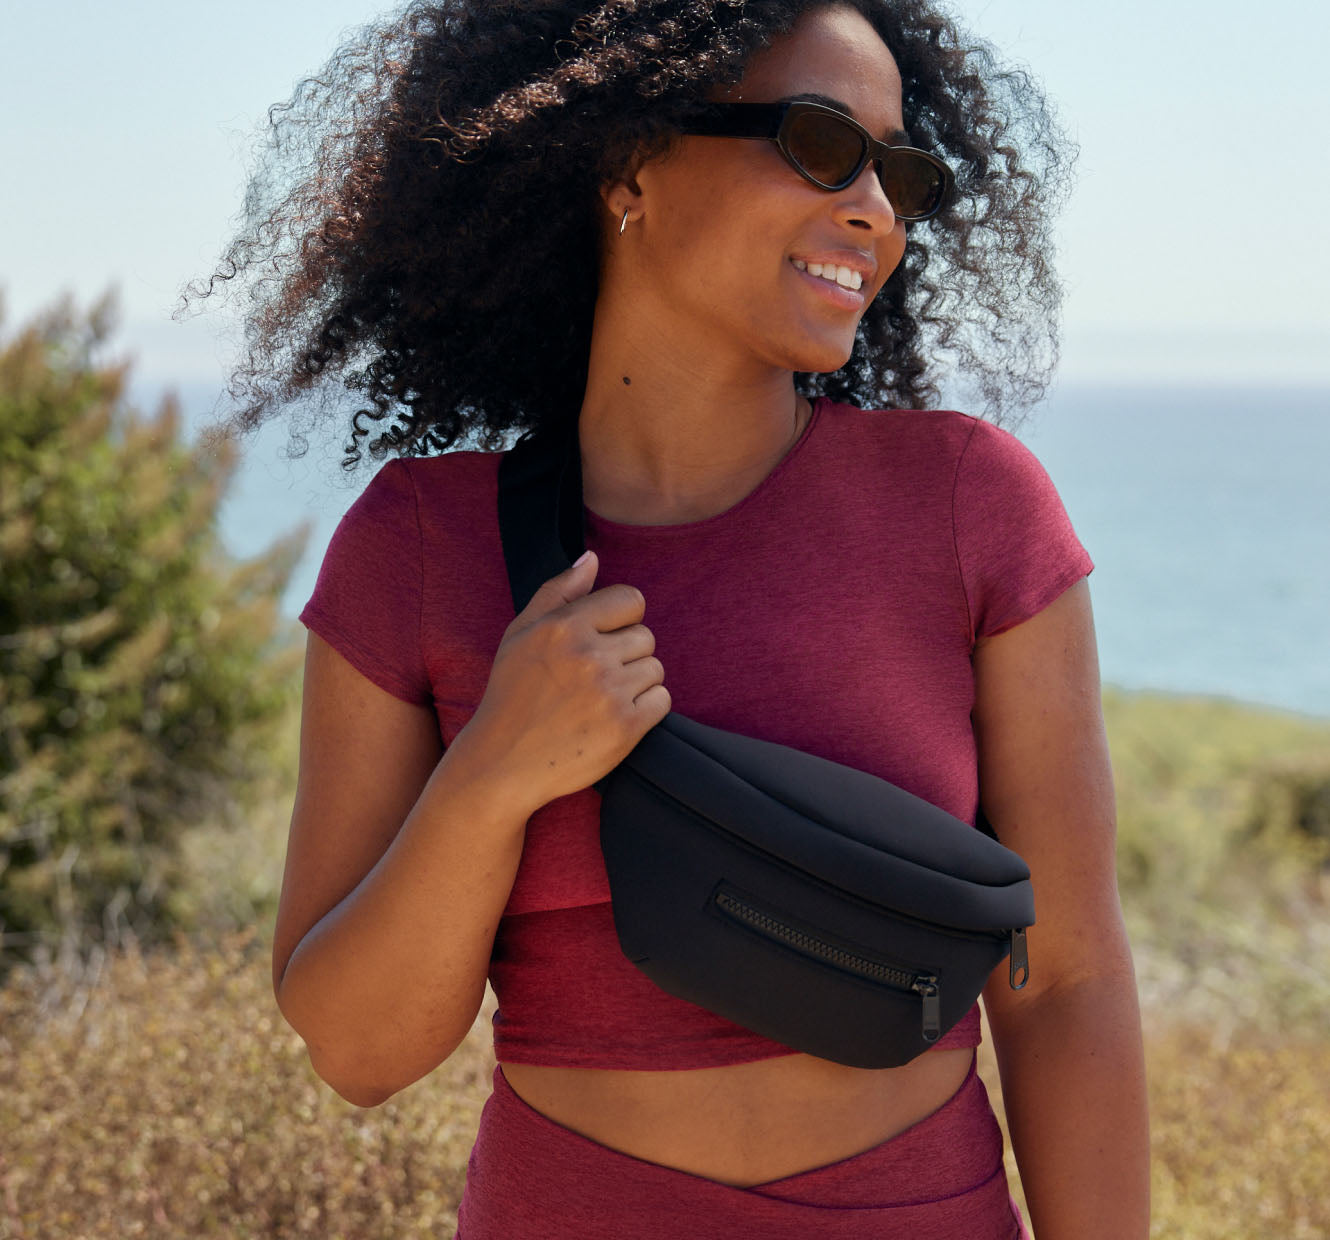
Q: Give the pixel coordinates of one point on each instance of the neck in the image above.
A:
(669, 437)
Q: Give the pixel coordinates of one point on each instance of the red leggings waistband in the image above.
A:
(530, 1178)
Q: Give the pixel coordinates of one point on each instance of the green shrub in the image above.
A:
(1290, 810)
(1199, 780)
(141, 669)
(1221, 810)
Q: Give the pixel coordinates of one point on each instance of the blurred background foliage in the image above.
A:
(148, 689)
(142, 671)
(1224, 861)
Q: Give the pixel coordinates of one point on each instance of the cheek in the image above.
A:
(732, 192)
(695, 233)
(892, 254)
(720, 244)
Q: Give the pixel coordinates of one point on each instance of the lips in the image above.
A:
(843, 276)
(856, 260)
(842, 298)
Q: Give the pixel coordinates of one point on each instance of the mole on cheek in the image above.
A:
(626, 380)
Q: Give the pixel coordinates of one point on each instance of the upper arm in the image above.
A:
(365, 757)
(1046, 786)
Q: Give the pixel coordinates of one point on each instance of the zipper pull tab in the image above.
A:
(1020, 960)
(926, 988)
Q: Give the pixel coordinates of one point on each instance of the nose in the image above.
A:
(865, 202)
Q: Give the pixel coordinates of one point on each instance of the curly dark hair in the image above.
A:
(424, 221)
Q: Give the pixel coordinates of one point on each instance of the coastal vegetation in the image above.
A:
(142, 670)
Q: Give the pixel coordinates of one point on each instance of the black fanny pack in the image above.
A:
(810, 902)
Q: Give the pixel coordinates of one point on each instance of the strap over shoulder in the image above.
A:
(540, 508)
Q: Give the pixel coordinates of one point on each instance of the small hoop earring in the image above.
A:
(623, 223)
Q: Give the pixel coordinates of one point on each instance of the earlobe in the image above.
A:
(624, 205)
(622, 189)
(622, 193)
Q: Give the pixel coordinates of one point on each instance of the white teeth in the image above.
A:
(841, 275)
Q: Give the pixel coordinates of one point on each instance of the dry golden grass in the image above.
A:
(169, 1098)
(1239, 1133)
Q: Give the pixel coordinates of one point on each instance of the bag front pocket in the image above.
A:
(780, 928)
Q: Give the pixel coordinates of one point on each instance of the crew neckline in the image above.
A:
(603, 525)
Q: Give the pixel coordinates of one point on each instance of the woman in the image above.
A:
(525, 213)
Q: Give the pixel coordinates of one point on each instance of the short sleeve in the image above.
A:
(367, 599)
(1014, 540)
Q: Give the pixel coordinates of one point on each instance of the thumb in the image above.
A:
(573, 583)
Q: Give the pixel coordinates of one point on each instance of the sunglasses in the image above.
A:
(830, 149)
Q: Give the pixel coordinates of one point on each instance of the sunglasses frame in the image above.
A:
(768, 120)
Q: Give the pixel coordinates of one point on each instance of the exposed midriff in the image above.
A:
(747, 1123)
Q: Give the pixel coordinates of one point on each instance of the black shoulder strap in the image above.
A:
(540, 508)
(540, 514)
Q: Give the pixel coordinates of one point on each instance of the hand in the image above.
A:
(574, 686)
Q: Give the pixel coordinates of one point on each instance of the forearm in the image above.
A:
(384, 987)
(1073, 1086)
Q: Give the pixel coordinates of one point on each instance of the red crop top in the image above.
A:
(834, 609)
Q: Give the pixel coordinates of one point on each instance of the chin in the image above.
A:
(819, 361)
(811, 347)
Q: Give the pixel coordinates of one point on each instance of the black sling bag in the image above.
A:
(810, 902)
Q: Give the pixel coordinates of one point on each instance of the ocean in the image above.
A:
(1207, 513)
(1208, 516)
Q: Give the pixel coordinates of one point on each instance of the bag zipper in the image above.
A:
(1018, 971)
(925, 985)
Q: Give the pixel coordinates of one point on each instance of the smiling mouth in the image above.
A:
(841, 276)
(833, 292)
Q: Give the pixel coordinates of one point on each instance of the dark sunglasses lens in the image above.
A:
(913, 186)
(823, 147)
(828, 150)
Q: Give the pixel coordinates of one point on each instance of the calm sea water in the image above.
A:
(1207, 514)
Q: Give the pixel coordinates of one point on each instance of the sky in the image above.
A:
(1193, 247)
